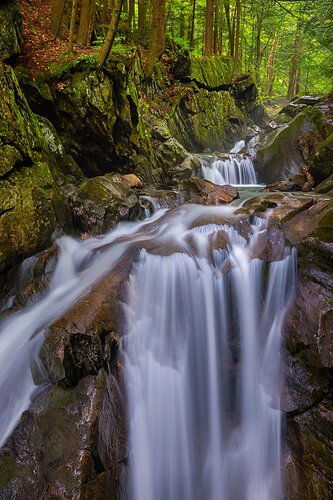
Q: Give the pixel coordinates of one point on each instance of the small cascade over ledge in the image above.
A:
(231, 168)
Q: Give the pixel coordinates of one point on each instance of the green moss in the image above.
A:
(9, 468)
(211, 72)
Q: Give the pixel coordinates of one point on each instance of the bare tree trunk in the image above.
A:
(216, 27)
(131, 10)
(209, 24)
(238, 19)
(294, 62)
(86, 22)
(258, 53)
(270, 68)
(191, 37)
(230, 28)
(72, 26)
(142, 15)
(157, 36)
(107, 46)
(58, 7)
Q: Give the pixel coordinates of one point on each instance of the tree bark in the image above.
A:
(230, 28)
(107, 46)
(58, 7)
(209, 24)
(295, 60)
(86, 22)
(238, 19)
(142, 15)
(270, 68)
(72, 26)
(157, 36)
(191, 37)
(131, 10)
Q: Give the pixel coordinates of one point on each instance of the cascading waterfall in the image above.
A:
(201, 351)
(202, 368)
(235, 169)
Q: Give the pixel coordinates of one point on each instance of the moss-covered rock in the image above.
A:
(279, 156)
(31, 159)
(99, 203)
(322, 164)
(207, 119)
(10, 29)
(210, 72)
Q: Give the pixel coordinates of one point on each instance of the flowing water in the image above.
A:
(201, 351)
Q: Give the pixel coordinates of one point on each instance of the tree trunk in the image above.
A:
(58, 7)
(238, 19)
(191, 37)
(107, 46)
(209, 23)
(72, 26)
(270, 68)
(142, 15)
(258, 53)
(157, 36)
(230, 28)
(295, 60)
(86, 22)
(131, 10)
(216, 27)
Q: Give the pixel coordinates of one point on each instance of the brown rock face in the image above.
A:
(202, 191)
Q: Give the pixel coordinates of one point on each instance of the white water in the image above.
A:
(237, 170)
(202, 368)
(201, 353)
(237, 147)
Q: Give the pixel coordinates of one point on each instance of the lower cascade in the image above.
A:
(235, 169)
(200, 350)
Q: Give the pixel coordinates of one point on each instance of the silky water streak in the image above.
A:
(201, 354)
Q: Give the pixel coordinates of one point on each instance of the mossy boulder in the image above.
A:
(212, 72)
(31, 207)
(10, 29)
(279, 156)
(325, 186)
(322, 164)
(102, 201)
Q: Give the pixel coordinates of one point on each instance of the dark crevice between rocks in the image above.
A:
(304, 409)
(200, 85)
(7, 210)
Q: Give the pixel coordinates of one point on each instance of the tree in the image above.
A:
(157, 36)
(209, 24)
(107, 46)
(295, 61)
(142, 14)
(238, 21)
(192, 24)
(86, 22)
(57, 12)
(270, 67)
(72, 26)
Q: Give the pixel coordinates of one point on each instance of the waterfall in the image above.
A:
(201, 351)
(237, 147)
(202, 368)
(234, 169)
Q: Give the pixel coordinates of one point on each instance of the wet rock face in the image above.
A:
(280, 155)
(202, 191)
(10, 30)
(71, 442)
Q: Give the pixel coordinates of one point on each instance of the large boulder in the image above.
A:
(100, 202)
(322, 163)
(10, 29)
(280, 155)
(205, 192)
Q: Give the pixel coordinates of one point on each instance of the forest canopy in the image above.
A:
(286, 45)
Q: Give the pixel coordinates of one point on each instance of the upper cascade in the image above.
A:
(234, 169)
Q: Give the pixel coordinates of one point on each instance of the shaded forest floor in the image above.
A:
(39, 48)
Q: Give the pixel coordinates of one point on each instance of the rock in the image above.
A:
(133, 180)
(99, 203)
(58, 451)
(10, 30)
(207, 119)
(322, 164)
(279, 156)
(325, 186)
(202, 191)
(10, 157)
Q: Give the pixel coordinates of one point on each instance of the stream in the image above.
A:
(201, 348)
